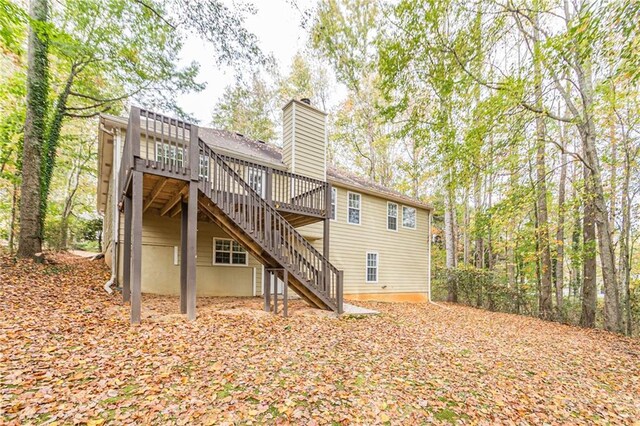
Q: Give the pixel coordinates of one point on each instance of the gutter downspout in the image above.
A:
(116, 213)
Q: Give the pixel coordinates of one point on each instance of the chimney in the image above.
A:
(304, 139)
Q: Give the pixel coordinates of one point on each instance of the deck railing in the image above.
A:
(163, 145)
(286, 191)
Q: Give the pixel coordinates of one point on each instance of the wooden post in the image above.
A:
(285, 302)
(326, 237)
(268, 191)
(339, 292)
(190, 258)
(267, 290)
(184, 230)
(194, 153)
(126, 257)
(136, 248)
(275, 294)
(134, 124)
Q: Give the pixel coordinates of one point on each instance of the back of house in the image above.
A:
(256, 211)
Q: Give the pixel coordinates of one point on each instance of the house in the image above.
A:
(195, 211)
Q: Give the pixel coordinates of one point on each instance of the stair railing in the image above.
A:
(250, 211)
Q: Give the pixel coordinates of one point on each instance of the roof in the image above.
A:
(239, 145)
(243, 147)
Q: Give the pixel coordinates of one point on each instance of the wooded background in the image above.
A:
(518, 120)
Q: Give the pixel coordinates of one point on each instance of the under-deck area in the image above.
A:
(164, 196)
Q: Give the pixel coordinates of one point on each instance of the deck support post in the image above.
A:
(266, 291)
(275, 294)
(339, 292)
(326, 237)
(126, 257)
(184, 229)
(136, 248)
(285, 303)
(190, 258)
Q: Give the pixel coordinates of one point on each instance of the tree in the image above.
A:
(34, 130)
(247, 108)
(344, 33)
(107, 53)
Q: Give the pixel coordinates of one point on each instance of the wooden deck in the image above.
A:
(167, 169)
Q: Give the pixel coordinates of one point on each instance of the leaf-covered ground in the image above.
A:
(68, 355)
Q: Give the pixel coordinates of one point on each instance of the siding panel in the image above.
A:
(402, 254)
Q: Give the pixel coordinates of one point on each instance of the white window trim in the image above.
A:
(334, 190)
(416, 217)
(242, 265)
(366, 267)
(397, 214)
(359, 208)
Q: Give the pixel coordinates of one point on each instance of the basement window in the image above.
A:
(228, 252)
(353, 210)
(372, 267)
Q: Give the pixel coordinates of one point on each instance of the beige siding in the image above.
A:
(402, 254)
(287, 136)
(304, 140)
(160, 275)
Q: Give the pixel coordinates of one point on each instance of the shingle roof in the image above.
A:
(236, 143)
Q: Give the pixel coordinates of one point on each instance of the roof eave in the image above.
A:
(380, 194)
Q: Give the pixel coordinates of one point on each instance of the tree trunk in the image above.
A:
(589, 285)
(71, 191)
(576, 233)
(450, 244)
(542, 231)
(50, 146)
(14, 209)
(477, 200)
(625, 239)
(30, 241)
(605, 240)
(559, 270)
(467, 222)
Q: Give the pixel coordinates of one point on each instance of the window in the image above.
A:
(408, 217)
(228, 252)
(204, 167)
(256, 180)
(169, 154)
(372, 267)
(353, 210)
(392, 216)
(334, 203)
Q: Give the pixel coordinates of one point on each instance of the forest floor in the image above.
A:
(68, 355)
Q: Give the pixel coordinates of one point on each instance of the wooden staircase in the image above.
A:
(230, 201)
